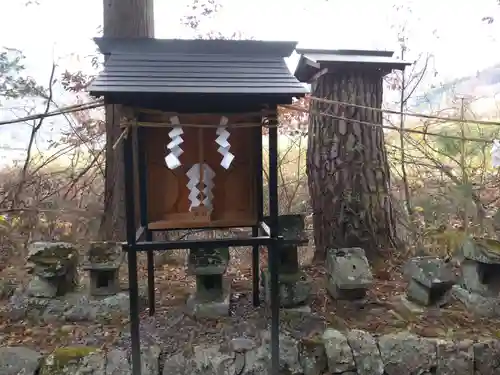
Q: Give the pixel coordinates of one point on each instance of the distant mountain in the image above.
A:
(484, 87)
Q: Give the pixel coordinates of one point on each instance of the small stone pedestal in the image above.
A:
(213, 291)
(54, 266)
(294, 288)
(349, 273)
(479, 288)
(103, 264)
(430, 280)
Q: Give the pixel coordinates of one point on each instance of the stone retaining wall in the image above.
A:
(349, 353)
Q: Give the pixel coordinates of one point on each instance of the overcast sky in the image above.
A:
(61, 30)
(464, 44)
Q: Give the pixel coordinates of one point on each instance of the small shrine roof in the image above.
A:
(174, 66)
(312, 61)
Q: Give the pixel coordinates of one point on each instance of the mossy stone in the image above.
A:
(64, 360)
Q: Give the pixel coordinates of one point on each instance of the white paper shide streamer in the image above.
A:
(224, 146)
(195, 189)
(173, 148)
(495, 154)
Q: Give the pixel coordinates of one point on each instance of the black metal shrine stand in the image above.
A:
(133, 245)
(198, 77)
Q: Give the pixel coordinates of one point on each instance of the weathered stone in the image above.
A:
(97, 362)
(405, 353)
(303, 309)
(404, 306)
(239, 362)
(241, 344)
(257, 361)
(209, 287)
(479, 288)
(117, 362)
(73, 307)
(116, 306)
(210, 302)
(487, 357)
(344, 294)
(429, 271)
(470, 279)
(213, 292)
(477, 304)
(104, 282)
(481, 278)
(338, 352)
(180, 365)
(7, 289)
(289, 352)
(17, 307)
(420, 294)
(429, 280)
(455, 357)
(19, 360)
(401, 353)
(50, 259)
(40, 251)
(289, 259)
(82, 310)
(312, 356)
(40, 287)
(56, 264)
(65, 360)
(294, 289)
(103, 263)
(105, 254)
(290, 227)
(208, 261)
(365, 352)
(206, 360)
(481, 250)
(349, 273)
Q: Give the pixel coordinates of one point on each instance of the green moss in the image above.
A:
(58, 361)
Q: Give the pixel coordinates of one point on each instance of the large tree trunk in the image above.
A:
(122, 18)
(347, 167)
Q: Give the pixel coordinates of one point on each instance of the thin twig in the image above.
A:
(68, 109)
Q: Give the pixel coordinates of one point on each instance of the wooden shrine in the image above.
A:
(192, 113)
(198, 88)
(231, 191)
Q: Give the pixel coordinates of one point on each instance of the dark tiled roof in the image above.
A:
(314, 60)
(196, 67)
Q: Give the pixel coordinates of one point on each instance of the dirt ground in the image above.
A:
(174, 330)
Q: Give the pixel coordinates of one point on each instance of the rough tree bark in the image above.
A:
(122, 18)
(347, 167)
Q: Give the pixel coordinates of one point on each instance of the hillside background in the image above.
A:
(483, 87)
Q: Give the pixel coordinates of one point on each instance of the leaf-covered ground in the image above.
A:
(174, 330)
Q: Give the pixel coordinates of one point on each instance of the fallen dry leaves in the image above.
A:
(375, 314)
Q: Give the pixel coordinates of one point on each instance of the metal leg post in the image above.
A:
(255, 269)
(274, 249)
(151, 276)
(128, 158)
(143, 199)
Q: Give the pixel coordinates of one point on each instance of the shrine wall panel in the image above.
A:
(234, 190)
